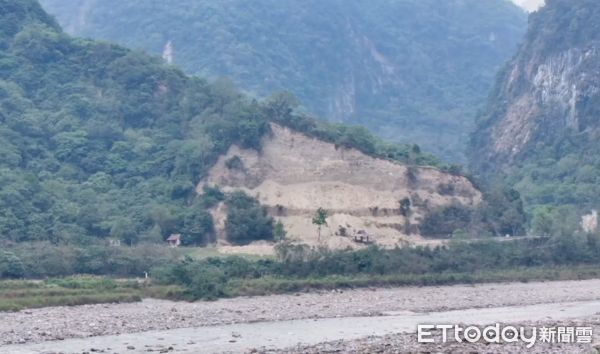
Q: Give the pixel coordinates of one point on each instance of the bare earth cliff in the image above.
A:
(294, 175)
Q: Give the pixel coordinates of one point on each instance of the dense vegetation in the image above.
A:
(247, 220)
(298, 267)
(282, 107)
(295, 268)
(501, 213)
(558, 172)
(44, 260)
(560, 182)
(97, 141)
(410, 70)
(563, 24)
(20, 294)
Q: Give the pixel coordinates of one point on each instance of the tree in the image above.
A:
(11, 266)
(504, 212)
(405, 206)
(445, 220)
(123, 229)
(320, 219)
(197, 227)
(542, 221)
(247, 220)
(280, 106)
(211, 196)
(279, 231)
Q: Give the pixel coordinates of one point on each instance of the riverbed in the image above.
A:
(279, 335)
(309, 322)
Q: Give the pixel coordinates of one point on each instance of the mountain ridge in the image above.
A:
(540, 129)
(410, 71)
(98, 141)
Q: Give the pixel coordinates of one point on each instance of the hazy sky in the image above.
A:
(529, 5)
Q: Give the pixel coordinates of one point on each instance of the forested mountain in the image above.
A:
(410, 70)
(100, 141)
(541, 128)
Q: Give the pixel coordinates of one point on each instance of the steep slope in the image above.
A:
(294, 175)
(542, 125)
(411, 70)
(99, 141)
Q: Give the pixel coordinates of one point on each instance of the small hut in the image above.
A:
(174, 240)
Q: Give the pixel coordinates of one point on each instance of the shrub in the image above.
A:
(246, 220)
(11, 266)
(217, 277)
(279, 231)
(234, 163)
(197, 227)
(211, 196)
(443, 222)
(41, 260)
(405, 205)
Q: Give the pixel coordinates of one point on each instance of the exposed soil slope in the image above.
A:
(293, 175)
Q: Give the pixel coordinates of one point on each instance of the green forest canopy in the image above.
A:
(412, 71)
(100, 141)
(558, 172)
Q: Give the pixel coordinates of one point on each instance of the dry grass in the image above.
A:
(18, 295)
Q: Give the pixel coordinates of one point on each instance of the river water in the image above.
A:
(283, 334)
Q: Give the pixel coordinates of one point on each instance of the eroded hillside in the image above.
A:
(293, 175)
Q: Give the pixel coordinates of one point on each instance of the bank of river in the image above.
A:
(279, 335)
(301, 322)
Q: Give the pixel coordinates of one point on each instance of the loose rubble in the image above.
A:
(39, 325)
(407, 343)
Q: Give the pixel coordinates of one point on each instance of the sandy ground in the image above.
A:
(94, 320)
(293, 175)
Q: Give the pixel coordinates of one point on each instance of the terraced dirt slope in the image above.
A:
(293, 175)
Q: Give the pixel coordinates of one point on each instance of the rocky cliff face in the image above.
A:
(293, 175)
(551, 88)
